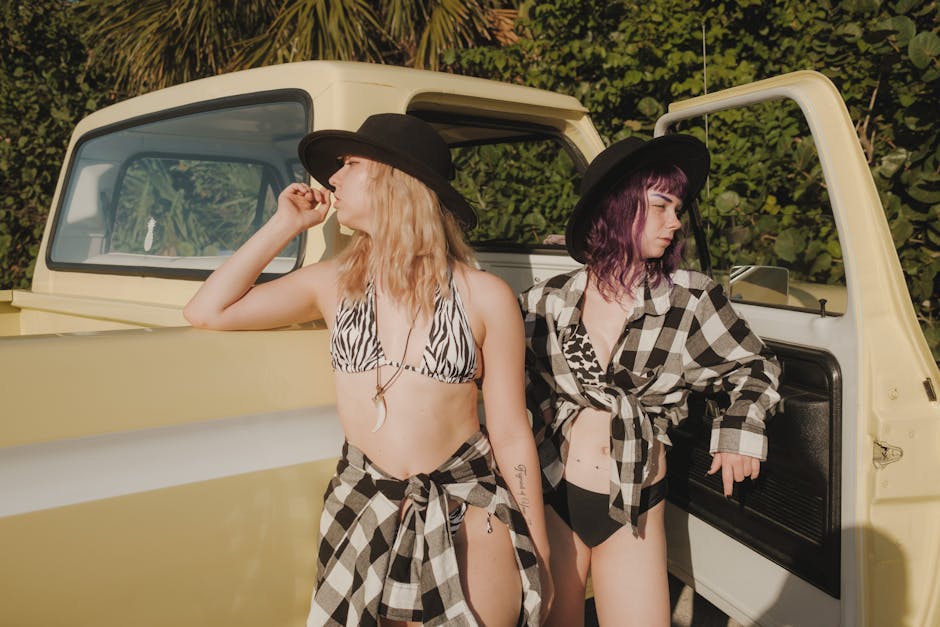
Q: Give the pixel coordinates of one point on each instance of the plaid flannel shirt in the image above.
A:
(683, 336)
(372, 564)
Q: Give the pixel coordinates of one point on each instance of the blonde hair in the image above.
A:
(413, 245)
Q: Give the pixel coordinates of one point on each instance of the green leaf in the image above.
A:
(535, 220)
(851, 31)
(789, 245)
(929, 195)
(932, 335)
(934, 237)
(834, 248)
(900, 26)
(766, 224)
(740, 235)
(821, 263)
(649, 107)
(901, 231)
(892, 162)
(923, 48)
(861, 6)
(727, 201)
(922, 285)
(905, 28)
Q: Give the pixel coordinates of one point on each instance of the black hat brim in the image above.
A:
(321, 153)
(619, 161)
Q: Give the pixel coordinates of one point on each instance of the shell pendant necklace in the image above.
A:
(381, 409)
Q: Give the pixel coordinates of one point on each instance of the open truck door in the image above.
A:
(843, 525)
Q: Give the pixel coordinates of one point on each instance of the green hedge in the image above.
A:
(45, 89)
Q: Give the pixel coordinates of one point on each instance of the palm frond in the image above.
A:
(424, 30)
(156, 43)
(315, 29)
(149, 44)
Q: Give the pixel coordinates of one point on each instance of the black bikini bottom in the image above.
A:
(588, 513)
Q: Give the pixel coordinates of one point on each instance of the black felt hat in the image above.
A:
(402, 141)
(618, 161)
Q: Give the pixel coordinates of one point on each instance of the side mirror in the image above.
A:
(761, 284)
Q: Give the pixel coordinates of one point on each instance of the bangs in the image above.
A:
(668, 179)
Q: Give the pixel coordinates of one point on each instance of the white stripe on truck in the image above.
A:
(41, 476)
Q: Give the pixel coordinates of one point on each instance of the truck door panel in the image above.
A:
(790, 514)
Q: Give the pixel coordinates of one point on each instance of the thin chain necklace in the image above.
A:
(381, 409)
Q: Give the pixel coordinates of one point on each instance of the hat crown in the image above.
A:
(609, 158)
(405, 142)
(411, 136)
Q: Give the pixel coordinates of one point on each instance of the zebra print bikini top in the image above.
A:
(450, 355)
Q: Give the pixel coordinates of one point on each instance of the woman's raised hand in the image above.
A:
(303, 205)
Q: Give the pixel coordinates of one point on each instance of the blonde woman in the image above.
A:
(428, 519)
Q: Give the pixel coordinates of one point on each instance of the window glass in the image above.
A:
(766, 215)
(522, 180)
(180, 193)
(523, 186)
(186, 207)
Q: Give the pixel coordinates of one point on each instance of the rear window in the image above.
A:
(175, 196)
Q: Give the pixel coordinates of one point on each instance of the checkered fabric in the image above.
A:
(370, 564)
(683, 336)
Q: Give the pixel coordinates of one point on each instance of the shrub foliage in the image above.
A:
(45, 89)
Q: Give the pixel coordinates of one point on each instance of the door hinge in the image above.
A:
(885, 454)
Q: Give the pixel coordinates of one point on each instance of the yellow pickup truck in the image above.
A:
(152, 474)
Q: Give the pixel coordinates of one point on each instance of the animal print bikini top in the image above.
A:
(450, 355)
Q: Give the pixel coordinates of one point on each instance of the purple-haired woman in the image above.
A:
(613, 350)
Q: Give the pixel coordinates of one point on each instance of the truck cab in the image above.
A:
(151, 470)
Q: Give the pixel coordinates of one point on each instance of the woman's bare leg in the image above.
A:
(570, 561)
(631, 586)
(629, 574)
(488, 570)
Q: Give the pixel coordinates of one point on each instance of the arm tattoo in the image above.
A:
(520, 474)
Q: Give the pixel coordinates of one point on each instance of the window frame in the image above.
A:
(527, 131)
(297, 96)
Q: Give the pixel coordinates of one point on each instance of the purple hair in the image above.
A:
(612, 245)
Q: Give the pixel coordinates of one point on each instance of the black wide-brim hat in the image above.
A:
(402, 141)
(618, 161)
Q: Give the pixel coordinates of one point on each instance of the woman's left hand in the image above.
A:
(734, 467)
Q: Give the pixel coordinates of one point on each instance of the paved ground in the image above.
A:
(688, 610)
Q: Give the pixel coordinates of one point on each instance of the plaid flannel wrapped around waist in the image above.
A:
(376, 561)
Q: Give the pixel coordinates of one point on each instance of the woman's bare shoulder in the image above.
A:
(479, 285)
